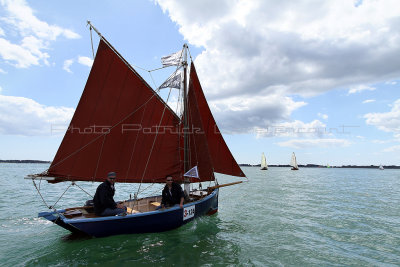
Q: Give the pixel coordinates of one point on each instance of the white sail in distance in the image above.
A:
(264, 165)
(293, 162)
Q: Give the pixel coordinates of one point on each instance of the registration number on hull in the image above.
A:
(189, 212)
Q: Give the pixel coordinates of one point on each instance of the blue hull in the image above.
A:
(147, 222)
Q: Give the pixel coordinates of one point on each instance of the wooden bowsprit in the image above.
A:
(212, 188)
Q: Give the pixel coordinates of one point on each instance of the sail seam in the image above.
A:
(115, 125)
(134, 145)
(154, 141)
(97, 103)
(98, 160)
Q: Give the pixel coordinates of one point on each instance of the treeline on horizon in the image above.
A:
(242, 165)
(23, 161)
(323, 166)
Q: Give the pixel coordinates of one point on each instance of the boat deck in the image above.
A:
(133, 206)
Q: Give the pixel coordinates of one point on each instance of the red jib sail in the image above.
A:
(208, 149)
(120, 125)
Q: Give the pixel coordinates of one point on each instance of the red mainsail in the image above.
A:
(120, 125)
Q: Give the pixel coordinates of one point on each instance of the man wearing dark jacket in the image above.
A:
(104, 204)
(172, 193)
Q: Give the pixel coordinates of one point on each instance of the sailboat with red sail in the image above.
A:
(122, 124)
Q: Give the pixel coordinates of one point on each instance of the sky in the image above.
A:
(318, 78)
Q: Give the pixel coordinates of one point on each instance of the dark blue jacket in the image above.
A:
(104, 198)
(175, 198)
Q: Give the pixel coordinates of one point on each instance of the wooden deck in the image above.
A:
(133, 206)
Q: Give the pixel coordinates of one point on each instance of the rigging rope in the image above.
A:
(98, 160)
(154, 141)
(83, 190)
(40, 193)
(145, 189)
(154, 83)
(134, 145)
(157, 129)
(52, 207)
(62, 195)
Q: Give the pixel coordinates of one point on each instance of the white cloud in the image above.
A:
(21, 16)
(294, 129)
(86, 61)
(260, 48)
(303, 47)
(391, 82)
(20, 56)
(249, 114)
(381, 141)
(24, 116)
(360, 88)
(368, 101)
(81, 60)
(3, 71)
(31, 36)
(312, 143)
(386, 121)
(392, 149)
(323, 116)
(67, 65)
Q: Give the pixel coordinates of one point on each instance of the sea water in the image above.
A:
(310, 217)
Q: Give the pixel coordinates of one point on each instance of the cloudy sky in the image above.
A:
(320, 78)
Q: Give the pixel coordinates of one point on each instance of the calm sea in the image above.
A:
(310, 217)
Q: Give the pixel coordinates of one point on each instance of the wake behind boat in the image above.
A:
(121, 124)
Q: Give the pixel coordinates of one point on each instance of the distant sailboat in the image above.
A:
(381, 167)
(293, 163)
(264, 165)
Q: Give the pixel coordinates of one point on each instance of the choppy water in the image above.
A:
(311, 217)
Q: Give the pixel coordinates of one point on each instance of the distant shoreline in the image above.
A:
(24, 161)
(241, 165)
(323, 166)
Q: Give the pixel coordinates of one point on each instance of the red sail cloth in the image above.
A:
(208, 149)
(114, 128)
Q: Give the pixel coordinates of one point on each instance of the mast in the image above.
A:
(185, 123)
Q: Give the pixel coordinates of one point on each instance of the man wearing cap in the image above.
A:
(104, 204)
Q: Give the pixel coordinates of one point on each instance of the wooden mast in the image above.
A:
(185, 124)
